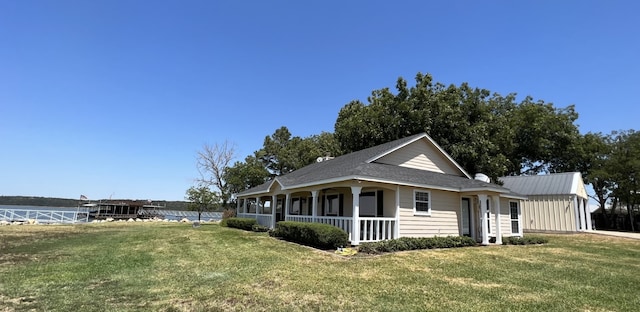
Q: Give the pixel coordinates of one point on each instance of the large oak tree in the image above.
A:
(484, 132)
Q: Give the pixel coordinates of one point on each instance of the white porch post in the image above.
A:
(576, 211)
(483, 218)
(237, 205)
(396, 232)
(274, 203)
(496, 204)
(583, 225)
(355, 235)
(314, 205)
(588, 213)
(287, 200)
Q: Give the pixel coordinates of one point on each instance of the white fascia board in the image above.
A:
(389, 151)
(449, 157)
(574, 184)
(368, 179)
(252, 194)
(267, 191)
(514, 196)
(485, 189)
(320, 182)
(428, 186)
(576, 181)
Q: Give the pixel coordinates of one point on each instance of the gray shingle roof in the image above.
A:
(356, 165)
(550, 184)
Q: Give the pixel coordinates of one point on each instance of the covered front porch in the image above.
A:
(366, 213)
(488, 216)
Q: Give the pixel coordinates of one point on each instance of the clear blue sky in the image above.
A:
(114, 98)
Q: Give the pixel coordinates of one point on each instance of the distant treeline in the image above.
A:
(66, 202)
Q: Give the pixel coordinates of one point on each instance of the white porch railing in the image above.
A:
(342, 222)
(345, 223)
(377, 229)
(299, 218)
(263, 219)
(371, 229)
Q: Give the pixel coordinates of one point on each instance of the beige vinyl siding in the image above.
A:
(443, 221)
(275, 187)
(420, 155)
(549, 213)
(505, 219)
(389, 203)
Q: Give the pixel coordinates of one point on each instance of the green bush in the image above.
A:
(525, 240)
(259, 228)
(415, 243)
(226, 214)
(318, 235)
(242, 223)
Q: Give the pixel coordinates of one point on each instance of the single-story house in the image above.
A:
(409, 187)
(555, 202)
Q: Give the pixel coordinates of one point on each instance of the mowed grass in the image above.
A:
(174, 267)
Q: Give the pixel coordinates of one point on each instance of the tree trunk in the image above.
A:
(630, 209)
(613, 216)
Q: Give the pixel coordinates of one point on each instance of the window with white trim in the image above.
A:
(422, 203)
(515, 217)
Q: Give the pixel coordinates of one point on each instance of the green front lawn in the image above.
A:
(174, 267)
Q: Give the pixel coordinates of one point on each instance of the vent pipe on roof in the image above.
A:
(325, 158)
(482, 177)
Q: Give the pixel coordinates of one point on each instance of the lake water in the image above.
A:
(67, 214)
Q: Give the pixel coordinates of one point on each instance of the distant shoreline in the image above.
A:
(68, 202)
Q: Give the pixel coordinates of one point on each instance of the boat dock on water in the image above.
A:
(123, 209)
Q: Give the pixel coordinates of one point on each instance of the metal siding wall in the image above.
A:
(548, 213)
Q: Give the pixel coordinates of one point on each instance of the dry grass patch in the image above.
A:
(173, 267)
(470, 282)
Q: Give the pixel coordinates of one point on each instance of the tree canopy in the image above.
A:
(483, 132)
(610, 163)
(201, 199)
(280, 154)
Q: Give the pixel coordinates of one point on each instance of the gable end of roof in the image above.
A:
(414, 138)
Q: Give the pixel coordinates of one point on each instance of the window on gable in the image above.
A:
(421, 203)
